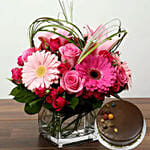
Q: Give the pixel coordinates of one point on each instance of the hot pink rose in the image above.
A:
(70, 53)
(27, 53)
(87, 94)
(59, 103)
(106, 54)
(115, 88)
(20, 61)
(98, 95)
(53, 94)
(48, 100)
(17, 74)
(54, 44)
(40, 91)
(71, 82)
(60, 90)
(63, 67)
(121, 76)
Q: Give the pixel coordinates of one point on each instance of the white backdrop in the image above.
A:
(16, 16)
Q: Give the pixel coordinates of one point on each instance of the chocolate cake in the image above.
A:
(119, 122)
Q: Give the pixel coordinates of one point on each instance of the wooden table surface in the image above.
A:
(19, 131)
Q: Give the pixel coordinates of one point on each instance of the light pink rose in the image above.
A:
(71, 82)
(70, 53)
(121, 76)
(27, 53)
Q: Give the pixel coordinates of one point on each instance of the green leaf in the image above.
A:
(14, 91)
(9, 79)
(74, 102)
(71, 41)
(33, 107)
(35, 26)
(98, 104)
(22, 95)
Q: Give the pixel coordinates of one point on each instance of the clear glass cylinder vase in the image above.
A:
(63, 130)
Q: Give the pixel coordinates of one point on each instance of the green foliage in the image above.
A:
(48, 106)
(97, 104)
(42, 24)
(74, 102)
(22, 95)
(33, 107)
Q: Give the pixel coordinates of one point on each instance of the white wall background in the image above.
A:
(16, 16)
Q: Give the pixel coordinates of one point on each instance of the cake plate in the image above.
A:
(127, 147)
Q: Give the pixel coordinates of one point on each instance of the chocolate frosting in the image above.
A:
(128, 120)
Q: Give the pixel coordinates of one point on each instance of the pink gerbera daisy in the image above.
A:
(40, 70)
(98, 73)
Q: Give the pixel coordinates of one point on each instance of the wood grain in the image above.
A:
(19, 131)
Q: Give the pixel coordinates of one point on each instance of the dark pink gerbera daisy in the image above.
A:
(98, 73)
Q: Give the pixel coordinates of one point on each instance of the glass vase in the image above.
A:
(62, 130)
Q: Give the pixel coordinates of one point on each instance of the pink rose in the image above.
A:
(121, 76)
(71, 82)
(27, 53)
(59, 103)
(17, 74)
(70, 53)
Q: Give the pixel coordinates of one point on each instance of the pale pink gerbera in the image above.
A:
(97, 72)
(40, 70)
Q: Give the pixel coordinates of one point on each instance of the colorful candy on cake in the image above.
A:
(120, 123)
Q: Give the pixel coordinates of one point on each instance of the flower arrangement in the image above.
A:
(70, 72)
